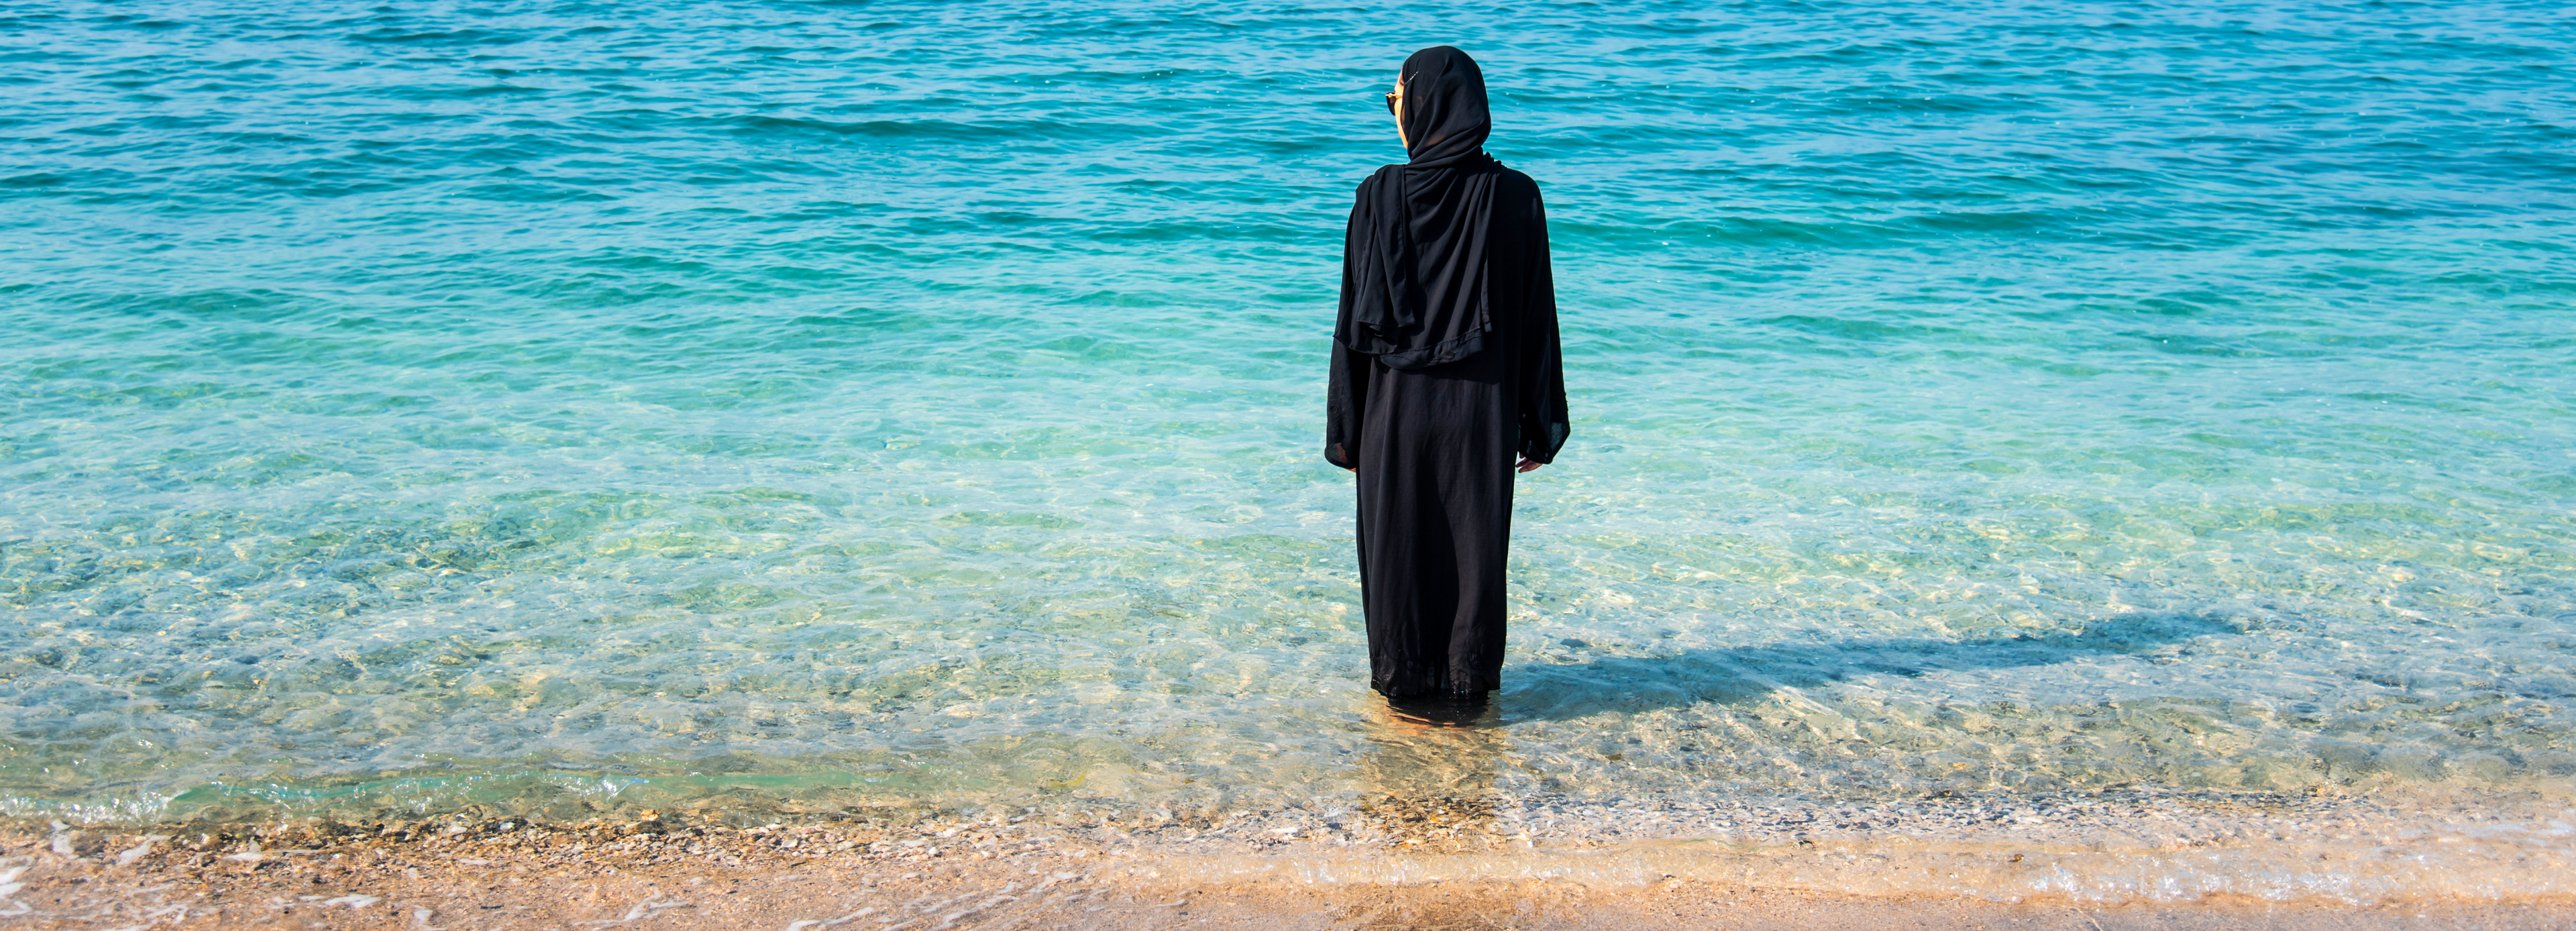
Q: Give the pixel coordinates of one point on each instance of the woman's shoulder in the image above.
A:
(1513, 181)
(1516, 192)
(1381, 172)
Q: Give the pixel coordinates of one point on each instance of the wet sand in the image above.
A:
(1391, 863)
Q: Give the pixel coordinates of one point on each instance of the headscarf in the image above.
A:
(1414, 256)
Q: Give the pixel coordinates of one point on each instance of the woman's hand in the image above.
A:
(1527, 465)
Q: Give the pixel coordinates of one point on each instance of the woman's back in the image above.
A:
(1445, 370)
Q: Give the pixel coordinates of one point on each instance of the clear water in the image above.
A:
(806, 405)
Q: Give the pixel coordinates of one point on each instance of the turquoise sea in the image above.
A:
(799, 407)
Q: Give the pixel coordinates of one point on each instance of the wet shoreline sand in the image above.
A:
(2076, 861)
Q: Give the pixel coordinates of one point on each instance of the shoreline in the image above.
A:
(501, 895)
(2324, 862)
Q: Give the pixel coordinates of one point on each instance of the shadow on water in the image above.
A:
(1631, 684)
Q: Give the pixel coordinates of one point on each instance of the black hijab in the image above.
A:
(1415, 251)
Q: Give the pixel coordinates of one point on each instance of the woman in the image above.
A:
(1444, 368)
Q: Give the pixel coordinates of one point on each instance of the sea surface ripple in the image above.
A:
(811, 405)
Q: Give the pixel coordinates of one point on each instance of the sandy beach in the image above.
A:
(2077, 862)
(504, 894)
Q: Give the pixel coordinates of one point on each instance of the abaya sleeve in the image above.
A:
(1348, 384)
(1541, 364)
(1342, 398)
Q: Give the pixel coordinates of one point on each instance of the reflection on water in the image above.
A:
(1457, 712)
(1429, 774)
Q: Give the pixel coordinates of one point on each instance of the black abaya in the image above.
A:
(1455, 373)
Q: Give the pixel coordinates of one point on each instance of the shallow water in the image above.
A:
(805, 406)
